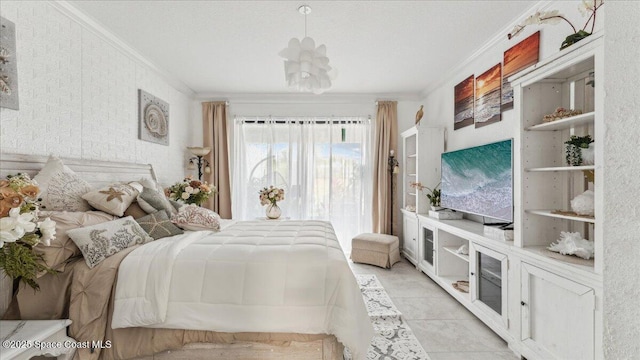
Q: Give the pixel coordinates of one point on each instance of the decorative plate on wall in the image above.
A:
(8, 65)
(153, 117)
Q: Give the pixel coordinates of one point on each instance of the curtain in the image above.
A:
(386, 138)
(323, 164)
(214, 126)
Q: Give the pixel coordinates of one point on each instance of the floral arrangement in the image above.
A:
(271, 195)
(433, 195)
(20, 230)
(553, 17)
(190, 191)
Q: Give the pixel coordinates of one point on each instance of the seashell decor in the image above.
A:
(583, 204)
(572, 243)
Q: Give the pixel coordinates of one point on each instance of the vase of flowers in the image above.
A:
(21, 230)
(191, 191)
(270, 196)
(574, 147)
(433, 194)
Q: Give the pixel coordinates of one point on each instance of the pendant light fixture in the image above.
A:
(306, 66)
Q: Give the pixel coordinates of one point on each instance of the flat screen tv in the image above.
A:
(479, 180)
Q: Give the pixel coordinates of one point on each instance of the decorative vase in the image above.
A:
(436, 208)
(574, 155)
(273, 211)
(588, 155)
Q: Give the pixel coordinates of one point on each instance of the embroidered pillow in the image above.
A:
(151, 201)
(158, 225)
(193, 217)
(113, 199)
(61, 189)
(98, 242)
(62, 248)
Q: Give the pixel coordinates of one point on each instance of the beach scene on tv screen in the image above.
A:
(478, 180)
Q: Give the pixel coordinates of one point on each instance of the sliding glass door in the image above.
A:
(322, 163)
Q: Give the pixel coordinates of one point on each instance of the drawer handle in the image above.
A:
(523, 303)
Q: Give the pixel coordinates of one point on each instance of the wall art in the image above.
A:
(8, 65)
(463, 104)
(522, 55)
(487, 104)
(153, 117)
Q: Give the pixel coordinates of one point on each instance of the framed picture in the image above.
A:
(153, 117)
(487, 106)
(463, 104)
(522, 55)
(8, 66)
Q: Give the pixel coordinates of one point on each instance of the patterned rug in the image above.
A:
(394, 339)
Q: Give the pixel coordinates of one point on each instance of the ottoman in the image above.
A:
(375, 249)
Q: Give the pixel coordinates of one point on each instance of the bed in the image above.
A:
(254, 290)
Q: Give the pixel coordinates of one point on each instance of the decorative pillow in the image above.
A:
(113, 199)
(61, 189)
(62, 248)
(134, 210)
(193, 217)
(98, 242)
(176, 204)
(151, 201)
(158, 225)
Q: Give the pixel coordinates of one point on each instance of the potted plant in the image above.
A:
(575, 146)
(433, 195)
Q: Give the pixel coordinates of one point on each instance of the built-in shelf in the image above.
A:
(562, 168)
(550, 213)
(566, 123)
(448, 282)
(542, 253)
(453, 250)
(412, 155)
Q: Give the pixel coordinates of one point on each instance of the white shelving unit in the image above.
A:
(544, 184)
(421, 147)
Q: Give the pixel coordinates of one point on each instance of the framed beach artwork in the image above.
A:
(153, 119)
(8, 65)
(520, 56)
(487, 104)
(463, 104)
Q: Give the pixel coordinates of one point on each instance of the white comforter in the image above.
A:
(253, 276)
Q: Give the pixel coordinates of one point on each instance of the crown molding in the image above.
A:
(306, 98)
(86, 21)
(493, 41)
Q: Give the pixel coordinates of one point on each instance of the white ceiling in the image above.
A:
(378, 47)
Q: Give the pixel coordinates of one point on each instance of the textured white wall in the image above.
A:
(78, 95)
(439, 101)
(622, 181)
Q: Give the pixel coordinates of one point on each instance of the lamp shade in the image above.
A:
(199, 151)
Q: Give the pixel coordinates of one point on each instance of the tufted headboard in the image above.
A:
(96, 172)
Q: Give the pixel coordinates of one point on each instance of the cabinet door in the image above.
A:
(557, 315)
(488, 274)
(410, 235)
(426, 248)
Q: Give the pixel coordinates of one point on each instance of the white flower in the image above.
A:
(17, 221)
(48, 230)
(185, 195)
(271, 195)
(195, 191)
(188, 190)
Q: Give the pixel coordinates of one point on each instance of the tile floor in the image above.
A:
(446, 329)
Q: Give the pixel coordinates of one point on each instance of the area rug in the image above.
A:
(394, 339)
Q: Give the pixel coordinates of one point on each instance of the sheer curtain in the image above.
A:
(324, 165)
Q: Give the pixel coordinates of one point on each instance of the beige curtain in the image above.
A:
(214, 126)
(386, 138)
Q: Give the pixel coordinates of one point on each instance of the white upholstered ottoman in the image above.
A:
(375, 249)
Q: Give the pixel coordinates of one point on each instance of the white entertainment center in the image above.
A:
(545, 305)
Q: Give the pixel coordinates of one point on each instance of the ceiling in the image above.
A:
(378, 47)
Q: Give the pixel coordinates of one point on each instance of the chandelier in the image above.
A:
(306, 67)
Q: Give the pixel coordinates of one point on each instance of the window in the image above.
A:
(323, 164)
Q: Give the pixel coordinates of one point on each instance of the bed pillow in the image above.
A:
(61, 189)
(134, 210)
(150, 200)
(98, 242)
(62, 248)
(193, 217)
(113, 199)
(158, 225)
